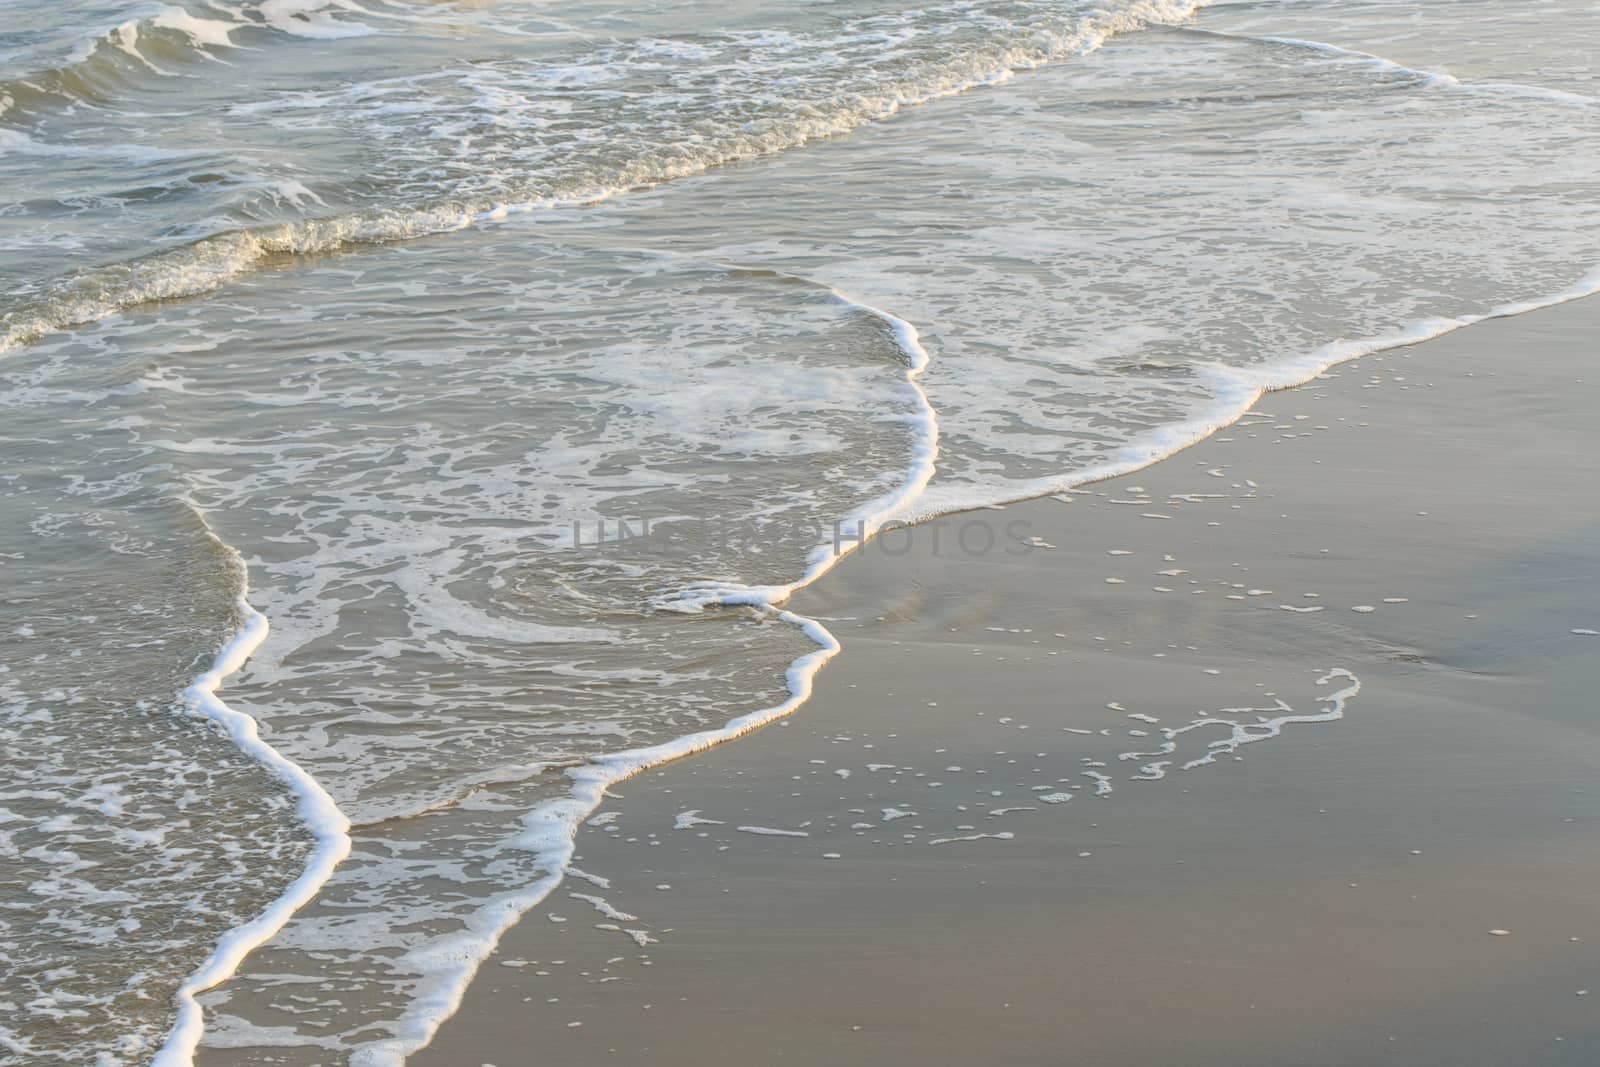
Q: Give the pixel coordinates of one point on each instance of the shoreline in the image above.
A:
(335, 740)
(553, 828)
(674, 770)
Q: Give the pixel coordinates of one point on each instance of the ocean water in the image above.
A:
(416, 413)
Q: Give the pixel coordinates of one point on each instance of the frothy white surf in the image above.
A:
(819, 111)
(1236, 390)
(317, 810)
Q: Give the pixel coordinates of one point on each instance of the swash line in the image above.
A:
(1389, 66)
(1237, 391)
(550, 830)
(328, 825)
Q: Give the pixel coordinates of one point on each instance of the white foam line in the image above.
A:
(604, 907)
(866, 522)
(1365, 59)
(1427, 77)
(329, 826)
(1264, 728)
(1003, 835)
(550, 831)
(1238, 390)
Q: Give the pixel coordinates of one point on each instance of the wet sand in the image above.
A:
(1328, 894)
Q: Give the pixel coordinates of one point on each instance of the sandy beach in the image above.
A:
(1280, 751)
(424, 422)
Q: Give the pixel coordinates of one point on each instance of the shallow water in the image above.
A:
(526, 354)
